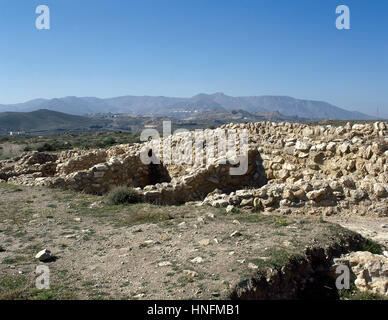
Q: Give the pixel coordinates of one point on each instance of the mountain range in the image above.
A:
(186, 107)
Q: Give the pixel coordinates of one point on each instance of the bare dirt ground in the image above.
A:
(141, 251)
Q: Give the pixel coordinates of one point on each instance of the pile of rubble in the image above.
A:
(369, 272)
(290, 166)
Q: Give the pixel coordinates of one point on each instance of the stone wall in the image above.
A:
(304, 165)
(315, 167)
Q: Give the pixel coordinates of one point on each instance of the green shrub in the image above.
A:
(371, 246)
(109, 141)
(46, 147)
(123, 195)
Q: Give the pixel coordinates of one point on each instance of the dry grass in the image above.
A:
(10, 150)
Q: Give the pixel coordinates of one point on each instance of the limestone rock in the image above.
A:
(302, 146)
(229, 208)
(197, 260)
(370, 270)
(316, 195)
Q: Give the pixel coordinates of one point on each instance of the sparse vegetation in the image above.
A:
(123, 195)
(371, 246)
(21, 288)
(354, 294)
(13, 146)
(276, 258)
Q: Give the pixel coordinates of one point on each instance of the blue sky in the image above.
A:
(184, 47)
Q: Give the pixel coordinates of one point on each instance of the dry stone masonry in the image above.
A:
(291, 167)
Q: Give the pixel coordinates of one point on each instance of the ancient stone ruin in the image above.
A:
(290, 167)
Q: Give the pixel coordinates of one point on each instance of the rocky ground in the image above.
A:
(143, 251)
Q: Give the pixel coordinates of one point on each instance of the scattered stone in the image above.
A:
(190, 273)
(197, 260)
(236, 234)
(229, 208)
(97, 204)
(164, 264)
(210, 215)
(252, 266)
(287, 243)
(204, 242)
(200, 220)
(44, 255)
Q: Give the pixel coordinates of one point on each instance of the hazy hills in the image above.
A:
(44, 120)
(182, 107)
(47, 121)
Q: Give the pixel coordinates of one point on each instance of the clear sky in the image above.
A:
(183, 47)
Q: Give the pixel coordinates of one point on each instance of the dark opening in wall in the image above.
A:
(157, 172)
